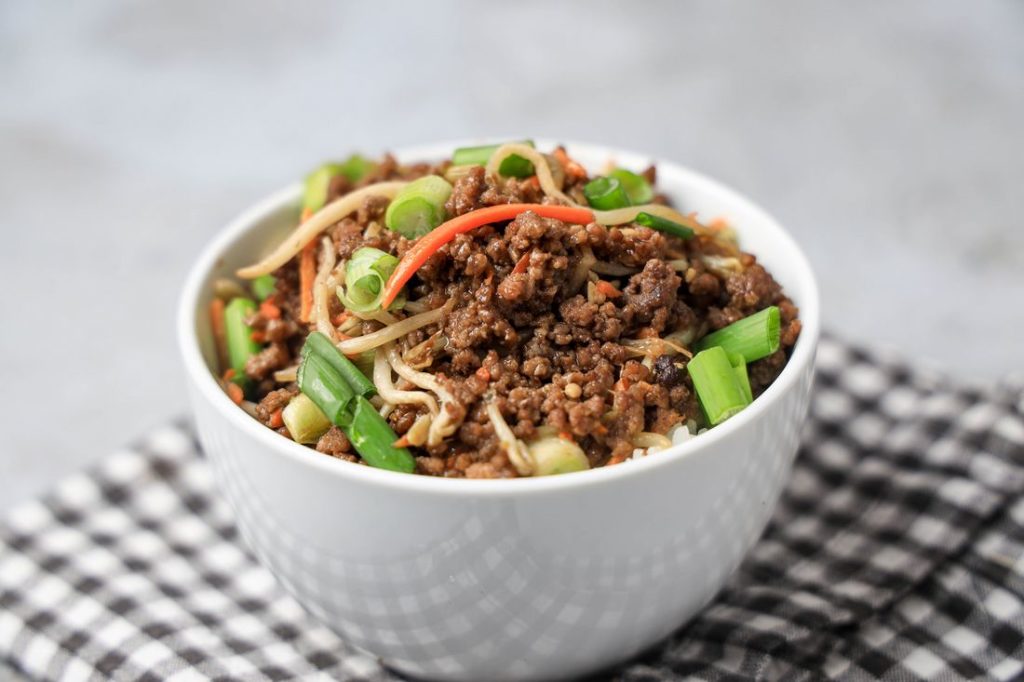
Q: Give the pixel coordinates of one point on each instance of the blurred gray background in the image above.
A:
(888, 138)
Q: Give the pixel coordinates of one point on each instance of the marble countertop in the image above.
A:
(887, 138)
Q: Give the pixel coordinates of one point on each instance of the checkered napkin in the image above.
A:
(896, 552)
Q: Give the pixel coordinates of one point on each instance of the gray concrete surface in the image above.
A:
(888, 138)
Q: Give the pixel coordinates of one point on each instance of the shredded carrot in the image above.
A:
(483, 374)
(277, 418)
(307, 273)
(565, 435)
(427, 245)
(229, 374)
(522, 263)
(220, 338)
(532, 181)
(571, 167)
(616, 459)
(608, 289)
(340, 318)
(269, 310)
(235, 393)
(402, 442)
(258, 336)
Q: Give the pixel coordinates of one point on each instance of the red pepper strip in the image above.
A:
(428, 244)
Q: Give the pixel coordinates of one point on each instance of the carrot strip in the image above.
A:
(608, 289)
(617, 459)
(269, 310)
(235, 393)
(402, 442)
(220, 339)
(340, 318)
(229, 374)
(571, 167)
(307, 273)
(428, 244)
(277, 418)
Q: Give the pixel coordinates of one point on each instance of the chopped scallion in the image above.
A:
(739, 365)
(304, 420)
(239, 336)
(605, 194)
(637, 188)
(754, 337)
(513, 166)
(373, 439)
(365, 275)
(419, 207)
(318, 182)
(656, 222)
(325, 386)
(717, 385)
(357, 381)
(263, 286)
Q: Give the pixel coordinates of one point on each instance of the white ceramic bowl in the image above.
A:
(511, 579)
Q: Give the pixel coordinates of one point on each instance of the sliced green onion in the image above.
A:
(512, 166)
(239, 336)
(605, 194)
(364, 361)
(356, 167)
(357, 381)
(753, 337)
(318, 182)
(418, 207)
(717, 385)
(637, 188)
(263, 286)
(373, 439)
(304, 420)
(365, 275)
(739, 365)
(325, 386)
(656, 222)
(554, 455)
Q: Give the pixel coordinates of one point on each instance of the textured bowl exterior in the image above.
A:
(533, 579)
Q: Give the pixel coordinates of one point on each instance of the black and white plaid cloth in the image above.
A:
(897, 552)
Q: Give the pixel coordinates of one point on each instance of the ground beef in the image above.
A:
(531, 329)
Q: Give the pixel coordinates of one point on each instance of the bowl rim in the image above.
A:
(202, 378)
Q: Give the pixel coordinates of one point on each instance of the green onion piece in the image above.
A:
(717, 385)
(753, 337)
(317, 183)
(739, 365)
(656, 222)
(357, 381)
(239, 336)
(555, 455)
(515, 166)
(419, 207)
(365, 274)
(304, 420)
(479, 156)
(356, 167)
(263, 286)
(364, 361)
(319, 380)
(605, 194)
(637, 188)
(373, 439)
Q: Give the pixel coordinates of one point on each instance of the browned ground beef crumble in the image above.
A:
(547, 354)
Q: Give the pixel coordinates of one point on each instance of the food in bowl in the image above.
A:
(501, 313)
